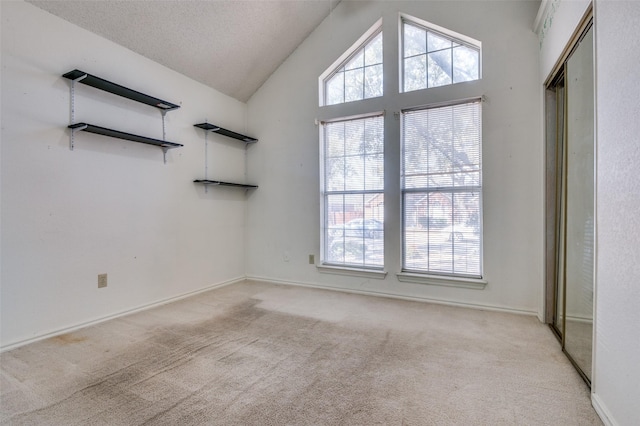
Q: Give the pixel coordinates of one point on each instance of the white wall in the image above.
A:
(557, 22)
(616, 387)
(283, 215)
(110, 206)
(616, 372)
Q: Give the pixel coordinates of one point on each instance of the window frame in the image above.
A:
(343, 59)
(438, 277)
(392, 103)
(333, 267)
(441, 31)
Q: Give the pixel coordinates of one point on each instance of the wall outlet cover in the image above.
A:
(102, 280)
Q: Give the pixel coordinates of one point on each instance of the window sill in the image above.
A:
(353, 272)
(473, 283)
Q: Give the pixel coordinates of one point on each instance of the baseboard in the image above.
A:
(396, 296)
(602, 411)
(144, 307)
(582, 320)
(140, 308)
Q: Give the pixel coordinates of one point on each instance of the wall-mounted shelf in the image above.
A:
(77, 76)
(208, 127)
(217, 129)
(116, 89)
(220, 183)
(122, 135)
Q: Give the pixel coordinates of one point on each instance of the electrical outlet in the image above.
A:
(312, 259)
(102, 280)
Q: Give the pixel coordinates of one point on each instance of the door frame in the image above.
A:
(555, 189)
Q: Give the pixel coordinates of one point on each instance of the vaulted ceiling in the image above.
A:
(230, 45)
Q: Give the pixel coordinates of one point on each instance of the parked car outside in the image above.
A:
(369, 228)
(461, 232)
(358, 241)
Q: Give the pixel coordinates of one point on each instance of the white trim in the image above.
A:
(140, 308)
(454, 36)
(454, 102)
(472, 42)
(321, 202)
(542, 11)
(352, 272)
(352, 117)
(426, 278)
(145, 307)
(474, 283)
(334, 268)
(602, 411)
(594, 328)
(580, 319)
(445, 302)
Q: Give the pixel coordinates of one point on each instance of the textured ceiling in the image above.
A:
(232, 46)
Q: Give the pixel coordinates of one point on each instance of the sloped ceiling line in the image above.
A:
(231, 46)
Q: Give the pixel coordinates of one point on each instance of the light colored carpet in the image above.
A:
(262, 354)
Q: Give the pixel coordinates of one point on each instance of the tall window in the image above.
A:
(353, 192)
(440, 164)
(442, 190)
(431, 58)
(359, 77)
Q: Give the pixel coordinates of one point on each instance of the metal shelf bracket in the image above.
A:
(73, 108)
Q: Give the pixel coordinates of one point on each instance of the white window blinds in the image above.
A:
(353, 192)
(442, 190)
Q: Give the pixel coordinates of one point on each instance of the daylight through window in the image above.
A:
(442, 190)
(431, 59)
(359, 78)
(439, 200)
(353, 192)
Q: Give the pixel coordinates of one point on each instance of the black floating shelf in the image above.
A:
(219, 183)
(122, 135)
(225, 132)
(116, 89)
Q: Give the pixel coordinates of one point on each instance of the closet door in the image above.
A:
(579, 198)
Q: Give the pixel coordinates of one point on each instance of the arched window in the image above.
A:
(440, 166)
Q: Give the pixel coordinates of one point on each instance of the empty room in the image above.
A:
(319, 212)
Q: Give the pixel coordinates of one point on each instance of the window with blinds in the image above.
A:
(353, 161)
(441, 181)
